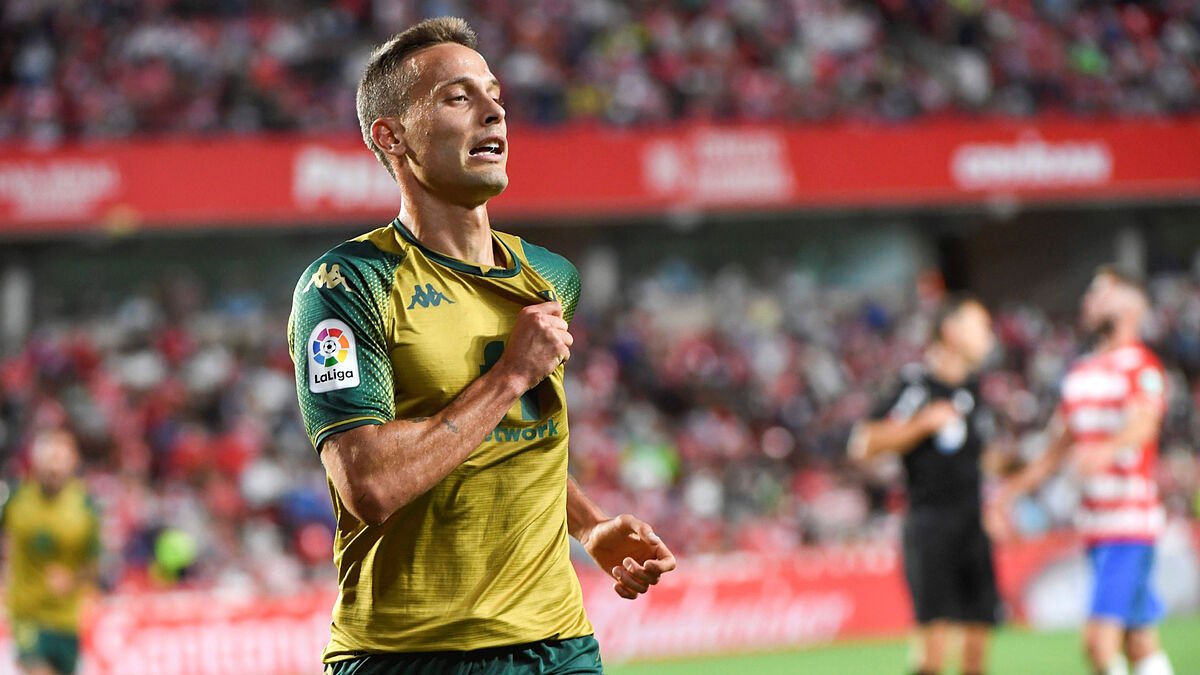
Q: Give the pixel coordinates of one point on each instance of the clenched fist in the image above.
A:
(538, 344)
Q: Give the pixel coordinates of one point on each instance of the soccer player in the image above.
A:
(429, 366)
(1107, 426)
(933, 421)
(51, 539)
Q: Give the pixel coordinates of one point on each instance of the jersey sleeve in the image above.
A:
(903, 400)
(1148, 383)
(338, 341)
(559, 271)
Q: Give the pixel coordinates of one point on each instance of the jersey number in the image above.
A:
(530, 410)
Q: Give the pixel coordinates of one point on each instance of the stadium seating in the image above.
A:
(114, 69)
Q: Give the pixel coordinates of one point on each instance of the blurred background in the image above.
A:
(766, 202)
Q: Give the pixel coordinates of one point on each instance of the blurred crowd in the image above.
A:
(111, 68)
(715, 405)
(721, 406)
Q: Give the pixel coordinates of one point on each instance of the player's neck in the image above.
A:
(50, 489)
(1122, 335)
(459, 232)
(947, 366)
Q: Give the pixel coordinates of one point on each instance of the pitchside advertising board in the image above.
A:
(739, 602)
(275, 180)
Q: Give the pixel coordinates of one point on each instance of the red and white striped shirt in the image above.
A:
(1121, 503)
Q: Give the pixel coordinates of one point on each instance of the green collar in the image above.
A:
(459, 265)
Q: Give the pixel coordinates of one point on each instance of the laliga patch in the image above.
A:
(1151, 381)
(332, 357)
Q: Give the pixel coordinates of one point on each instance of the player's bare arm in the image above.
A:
(1027, 479)
(377, 469)
(1142, 421)
(1046, 465)
(872, 439)
(624, 547)
(1000, 460)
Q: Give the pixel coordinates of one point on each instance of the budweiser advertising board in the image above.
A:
(597, 172)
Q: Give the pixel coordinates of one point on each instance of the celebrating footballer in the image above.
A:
(429, 366)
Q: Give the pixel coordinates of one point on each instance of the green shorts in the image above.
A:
(577, 656)
(37, 645)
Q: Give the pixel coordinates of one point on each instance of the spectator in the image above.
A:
(114, 69)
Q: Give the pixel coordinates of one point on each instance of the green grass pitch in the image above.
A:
(1015, 650)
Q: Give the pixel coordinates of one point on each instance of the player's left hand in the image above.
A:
(628, 550)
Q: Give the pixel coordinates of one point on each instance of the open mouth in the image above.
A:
(491, 148)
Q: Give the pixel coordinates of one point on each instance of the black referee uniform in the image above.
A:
(947, 555)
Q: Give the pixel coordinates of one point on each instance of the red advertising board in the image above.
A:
(598, 172)
(728, 603)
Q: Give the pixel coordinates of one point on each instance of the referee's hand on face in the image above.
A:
(539, 343)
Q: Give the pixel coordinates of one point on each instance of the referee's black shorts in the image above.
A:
(948, 566)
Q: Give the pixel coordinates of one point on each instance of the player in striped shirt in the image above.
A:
(1107, 427)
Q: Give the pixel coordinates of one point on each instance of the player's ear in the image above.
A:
(388, 135)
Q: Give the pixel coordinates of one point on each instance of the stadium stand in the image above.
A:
(139, 67)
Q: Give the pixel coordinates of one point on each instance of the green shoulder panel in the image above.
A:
(559, 272)
(94, 548)
(337, 334)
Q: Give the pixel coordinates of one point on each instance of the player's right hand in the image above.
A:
(539, 343)
(997, 517)
(936, 415)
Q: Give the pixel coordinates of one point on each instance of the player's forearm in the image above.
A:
(1028, 479)
(378, 469)
(1038, 471)
(873, 439)
(582, 513)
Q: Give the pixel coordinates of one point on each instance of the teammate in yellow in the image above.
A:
(429, 367)
(51, 539)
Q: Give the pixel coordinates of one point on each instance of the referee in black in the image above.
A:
(935, 422)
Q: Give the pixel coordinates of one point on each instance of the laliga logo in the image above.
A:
(330, 347)
(334, 357)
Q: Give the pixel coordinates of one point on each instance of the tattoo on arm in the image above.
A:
(450, 425)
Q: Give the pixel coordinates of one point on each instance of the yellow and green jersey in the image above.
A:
(42, 531)
(383, 328)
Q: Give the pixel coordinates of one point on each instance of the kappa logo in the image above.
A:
(328, 277)
(428, 297)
